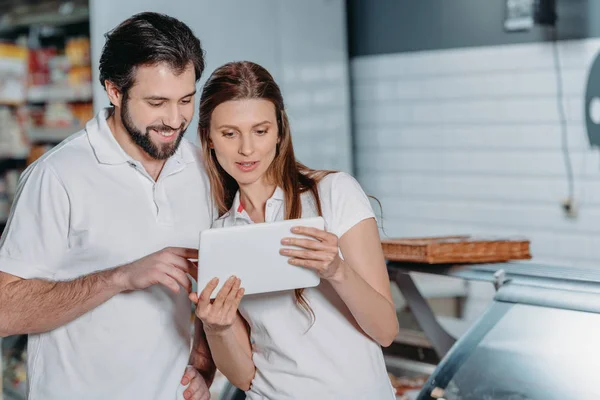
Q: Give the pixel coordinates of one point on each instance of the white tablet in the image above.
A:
(251, 252)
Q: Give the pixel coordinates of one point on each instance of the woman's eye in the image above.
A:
(185, 101)
(228, 134)
(261, 132)
(155, 104)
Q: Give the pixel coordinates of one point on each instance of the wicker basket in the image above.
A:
(455, 249)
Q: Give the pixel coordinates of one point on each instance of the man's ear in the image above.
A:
(114, 94)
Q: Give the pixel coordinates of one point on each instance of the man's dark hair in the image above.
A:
(147, 39)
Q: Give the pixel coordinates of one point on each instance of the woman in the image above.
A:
(314, 343)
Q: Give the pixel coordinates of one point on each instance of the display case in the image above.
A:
(537, 340)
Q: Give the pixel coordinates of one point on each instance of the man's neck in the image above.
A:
(152, 166)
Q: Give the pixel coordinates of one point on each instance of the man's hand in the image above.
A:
(197, 389)
(168, 267)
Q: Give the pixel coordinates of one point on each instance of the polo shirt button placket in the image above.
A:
(164, 216)
(155, 200)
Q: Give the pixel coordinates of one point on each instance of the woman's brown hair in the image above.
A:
(247, 80)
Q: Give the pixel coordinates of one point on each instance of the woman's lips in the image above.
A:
(247, 166)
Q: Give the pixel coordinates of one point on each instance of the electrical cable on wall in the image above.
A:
(563, 118)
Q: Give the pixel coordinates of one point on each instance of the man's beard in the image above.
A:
(143, 140)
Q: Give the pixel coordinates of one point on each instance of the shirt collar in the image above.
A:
(105, 146)
(109, 151)
(237, 208)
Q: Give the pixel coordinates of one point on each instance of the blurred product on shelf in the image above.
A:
(39, 66)
(4, 200)
(61, 74)
(12, 180)
(50, 92)
(13, 74)
(47, 65)
(77, 51)
(82, 112)
(12, 141)
(79, 75)
(58, 114)
(32, 116)
(54, 121)
(407, 387)
(37, 151)
(58, 69)
(15, 373)
(45, 96)
(59, 96)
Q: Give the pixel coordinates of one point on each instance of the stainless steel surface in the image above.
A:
(531, 352)
(409, 367)
(438, 337)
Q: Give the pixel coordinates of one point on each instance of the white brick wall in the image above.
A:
(469, 141)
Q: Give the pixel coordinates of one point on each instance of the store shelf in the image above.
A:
(46, 93)
(54, 17)
(51, 135)
(4, 103)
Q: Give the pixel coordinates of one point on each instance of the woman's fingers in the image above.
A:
(231, 303)
(235, 304)
(238, 298)
(318, 234)
(306, 243)
(204, 298)
(327, 256)
(223, 293)
(318, 266)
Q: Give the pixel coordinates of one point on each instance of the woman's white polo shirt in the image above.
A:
(333, 359)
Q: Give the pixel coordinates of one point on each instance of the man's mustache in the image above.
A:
(165, 128)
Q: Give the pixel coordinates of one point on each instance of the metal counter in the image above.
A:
(537, 340)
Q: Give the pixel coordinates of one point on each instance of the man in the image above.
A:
(94, 261)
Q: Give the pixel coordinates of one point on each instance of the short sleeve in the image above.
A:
(35, 239)
(347, 203)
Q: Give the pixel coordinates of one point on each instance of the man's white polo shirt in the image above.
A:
(87, 206)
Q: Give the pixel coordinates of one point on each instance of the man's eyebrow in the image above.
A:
(155, 98)
(161, 98)
(262, 123)
(189, 94)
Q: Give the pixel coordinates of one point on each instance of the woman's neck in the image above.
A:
(253, 198)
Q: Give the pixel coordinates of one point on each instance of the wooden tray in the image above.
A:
(455, 249)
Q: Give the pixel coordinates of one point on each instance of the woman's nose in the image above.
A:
(246, 146)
